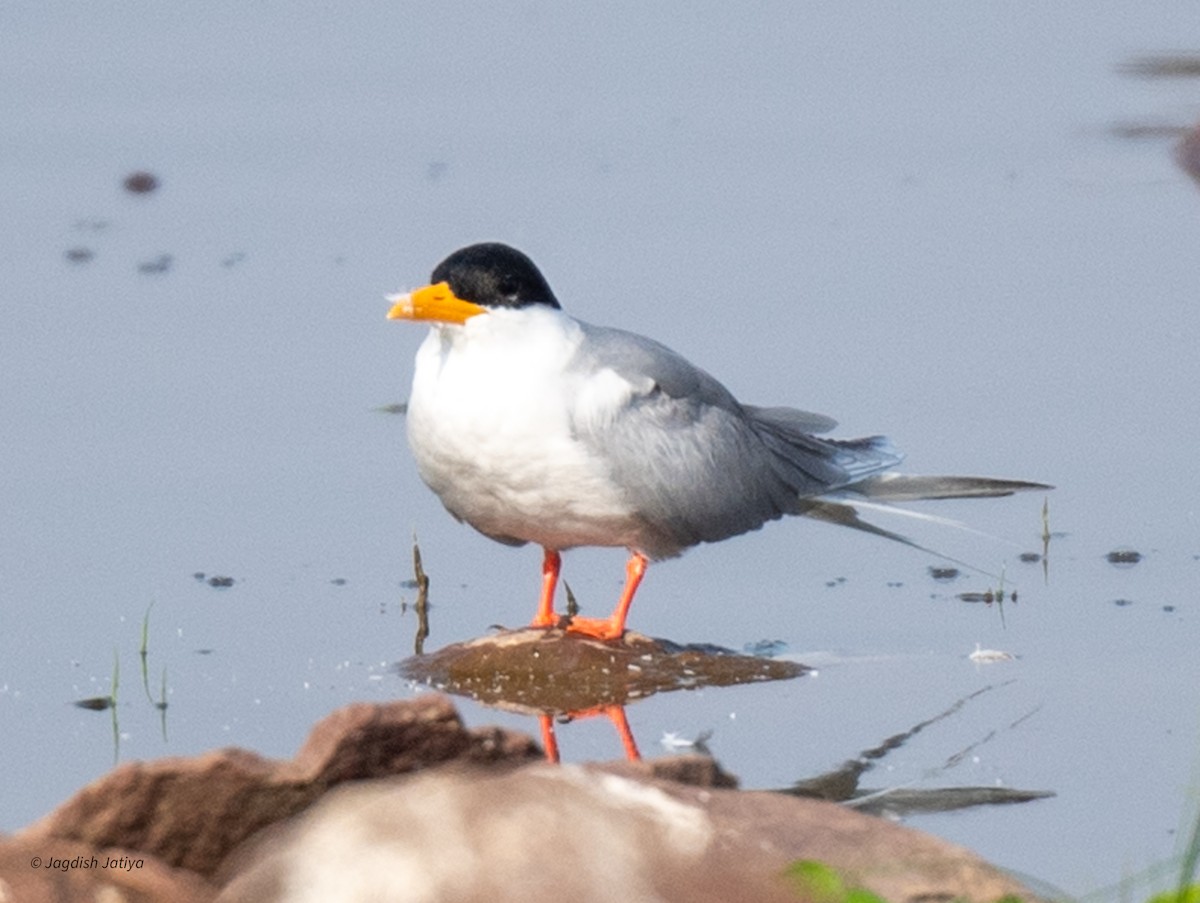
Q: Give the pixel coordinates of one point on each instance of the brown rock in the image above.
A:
(550, 670)
(695, 771)
(69, 871)
(550, 833)
(191, 812)
(485, 826)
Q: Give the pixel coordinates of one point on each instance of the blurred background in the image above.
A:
(963, 226)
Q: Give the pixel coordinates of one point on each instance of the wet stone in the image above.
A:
(550, 670)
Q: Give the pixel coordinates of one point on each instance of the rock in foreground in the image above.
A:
(592, 835)
(400, 802)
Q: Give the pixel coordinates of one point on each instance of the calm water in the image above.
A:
(923, 220)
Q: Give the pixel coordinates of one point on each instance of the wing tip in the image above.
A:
(898, 487)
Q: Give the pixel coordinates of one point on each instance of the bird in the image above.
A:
(533, 426)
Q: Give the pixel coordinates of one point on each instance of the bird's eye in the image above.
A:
(508, 289)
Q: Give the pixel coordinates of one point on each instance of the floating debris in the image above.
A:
(1030, 557)
(988, 656)
(673, 741)
(156, 267)
(220, 582)
(79, 255)
(1125, 557)
(1174, 65)
(1122, 603)
(141, 182)
(1146, 131)
(987, 596)
(943, 573)
(95, 703)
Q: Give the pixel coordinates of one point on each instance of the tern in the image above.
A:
(533, 426)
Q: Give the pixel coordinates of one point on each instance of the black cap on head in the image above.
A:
(494, 275)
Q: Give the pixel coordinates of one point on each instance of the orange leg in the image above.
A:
(613, 712)
(613, 626)
(616, 714)
(549, 740)
(551, 565)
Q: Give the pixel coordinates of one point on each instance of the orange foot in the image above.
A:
(597, 628)
(610, 628)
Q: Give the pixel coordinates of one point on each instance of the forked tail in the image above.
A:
(877, 491)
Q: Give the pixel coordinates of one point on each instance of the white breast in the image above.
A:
(490, 424)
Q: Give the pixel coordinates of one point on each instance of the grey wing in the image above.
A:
(816, 466)
(639, 359)
(648, 364)
(793, 419)
(697, 465)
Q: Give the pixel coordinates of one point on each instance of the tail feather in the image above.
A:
(845, 515)
(878, 492)
(831, 476)
(903, 487)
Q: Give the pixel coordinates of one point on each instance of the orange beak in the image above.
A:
(433, 302)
